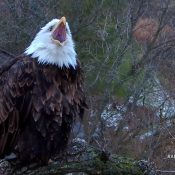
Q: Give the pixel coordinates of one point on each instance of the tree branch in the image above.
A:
(92, 162)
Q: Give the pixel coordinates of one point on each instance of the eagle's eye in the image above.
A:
(51, 28)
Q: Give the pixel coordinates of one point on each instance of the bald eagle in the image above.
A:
(41, 94)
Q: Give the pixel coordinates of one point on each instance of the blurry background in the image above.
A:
(127, 50)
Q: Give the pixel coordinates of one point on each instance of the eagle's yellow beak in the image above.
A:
(59, 32)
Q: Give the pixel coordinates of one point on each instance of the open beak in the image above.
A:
(59, 32)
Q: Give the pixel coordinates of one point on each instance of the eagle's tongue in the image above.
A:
(60, 32)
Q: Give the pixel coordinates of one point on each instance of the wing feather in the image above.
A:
(15, 83)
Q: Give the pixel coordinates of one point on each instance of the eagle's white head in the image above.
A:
(53, 44)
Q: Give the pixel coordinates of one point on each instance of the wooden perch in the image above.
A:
(92, 162)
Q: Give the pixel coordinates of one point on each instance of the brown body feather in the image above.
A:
(38, 104)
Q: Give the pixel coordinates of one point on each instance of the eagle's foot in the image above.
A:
(11, 156)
